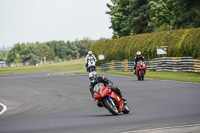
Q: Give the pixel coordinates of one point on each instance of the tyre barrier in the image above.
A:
(172, 64)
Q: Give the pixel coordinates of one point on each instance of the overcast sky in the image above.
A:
(45, 20)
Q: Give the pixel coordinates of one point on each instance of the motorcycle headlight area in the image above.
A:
(97, 87)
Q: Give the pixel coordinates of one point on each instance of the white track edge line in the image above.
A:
(4, 108)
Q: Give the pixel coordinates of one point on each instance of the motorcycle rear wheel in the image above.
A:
(111, 107)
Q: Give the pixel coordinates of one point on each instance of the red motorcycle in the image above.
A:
(110, 100)
(140, 70)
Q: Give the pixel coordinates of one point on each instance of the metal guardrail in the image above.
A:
(173, 64)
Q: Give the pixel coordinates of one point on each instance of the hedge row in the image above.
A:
(183, 42)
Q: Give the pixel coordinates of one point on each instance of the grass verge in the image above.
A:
(174, 76)
(73, 64)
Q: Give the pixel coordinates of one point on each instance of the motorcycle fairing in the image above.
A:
(107, 94)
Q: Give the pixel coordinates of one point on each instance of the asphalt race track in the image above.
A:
(42, 103)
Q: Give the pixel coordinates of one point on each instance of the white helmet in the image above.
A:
(93, 77)
(138, 53)
(90, 52)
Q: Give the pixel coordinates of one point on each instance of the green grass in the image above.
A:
(175, 76)
(73, 64)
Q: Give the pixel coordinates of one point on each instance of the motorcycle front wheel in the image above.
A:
(138, 76)
(127, 110)
(91, 69)
(109, 104)
(142, 75)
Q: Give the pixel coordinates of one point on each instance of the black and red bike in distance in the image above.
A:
(140, 70)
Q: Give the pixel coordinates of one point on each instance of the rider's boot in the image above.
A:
(134, 72)
(124, 100)
(99, 104)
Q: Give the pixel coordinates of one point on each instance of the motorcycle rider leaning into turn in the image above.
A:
(137, 59)
(90, 56)
(95, 79)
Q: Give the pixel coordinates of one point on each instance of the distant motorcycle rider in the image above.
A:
(90, 56)
(95, 79)
(137, 59)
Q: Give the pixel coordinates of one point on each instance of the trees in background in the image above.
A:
(44, 51)
(3, 55)
(186, 13)
(53, 50)
(130, 17)
(17, 54)
(32, 57)
(174, 14)
(84, 46)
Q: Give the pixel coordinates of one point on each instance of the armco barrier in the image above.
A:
(172, 64)
(125, 65)
(118, 65)
(112, 65)
(131, 65)
(106, 66)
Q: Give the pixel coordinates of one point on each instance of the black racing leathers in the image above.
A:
(106, 83)
(137, 59)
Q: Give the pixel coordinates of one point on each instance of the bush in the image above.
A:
(183, 42)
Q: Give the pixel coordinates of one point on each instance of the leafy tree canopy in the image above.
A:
(53, 50)
(130, 17)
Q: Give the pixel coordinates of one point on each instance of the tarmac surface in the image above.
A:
(42, 103)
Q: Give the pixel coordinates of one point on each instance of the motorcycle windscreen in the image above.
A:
(97, 91)
(91, 62)
(97, 87)
(141, 62)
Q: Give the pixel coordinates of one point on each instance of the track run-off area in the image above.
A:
(41, 103)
